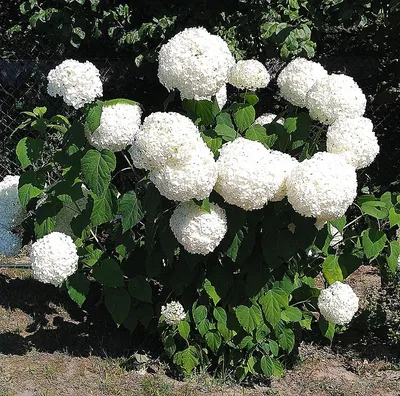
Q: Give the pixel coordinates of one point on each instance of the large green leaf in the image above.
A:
(220, 315)
(286, 339)
(78, 287)
(375, 209)
(327, 328)
(244, 117)
(118, 303)
(225, 131)
(249, 318)
(104, 208)
(31, 185)
(291, 314)
(140, 289)
(210, 290)
(393, 257)
(267, 366)
(394, 217)
(93, 115)
(373, 242)
(187, 359)
(130, 209)
(259, 134)
(184, 330)
(29, 150)
(207, 111)
(97, 168)
(331, 269)
(108, 273)
(213, 340)
(272, 304)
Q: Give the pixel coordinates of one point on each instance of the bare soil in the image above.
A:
(50, 347)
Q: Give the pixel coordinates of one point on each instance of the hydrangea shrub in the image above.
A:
(216, 236)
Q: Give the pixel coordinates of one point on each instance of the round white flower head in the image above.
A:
(10, 243)
(78, 83)
(119, 125)
(354, 140)
(194, 178)
(249, 74)
(11, 211)
(338, 303)
(173, 313)
(197, 230)
(296, 79)
(164, 137)
(337, 237)
(268, 118)
(323, 186)
(249, 175)
(54, 258)
(335, 96)
(195, 62)
(286, 163)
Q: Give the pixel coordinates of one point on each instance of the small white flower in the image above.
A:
(197, 230)
(354, 140)
(296, 79)
(173, 313)
(195, 62)
(268, 118)
(323, 186)
(335, 96)
(78, 83)
(54, 258)
(338, 303)
(249, 175)
(249, 74)
(118, 127)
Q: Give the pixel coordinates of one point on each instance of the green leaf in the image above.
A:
(108, 273)
(250, 98)
(375, 209)
(225, 131)
(187, 359)
(78, 287)
(373, 242)
(130, 209)
(220, 315)
(213, 340)
(225, 119)
(286, 339)
(169, 345)
(203, 204)
(199, 314)
(248, 318)
(274, 347)
(207, 111)
(184, 330)
(259, 134)
(244, 117)
(272, 304)
(394, 217)
(348, 264)
(97, 168)
(210, 290)
(290, 124)
(262, 332)
(393, 257)
(277, 369)
(291, 314)
(31, 185)
(214, 144)
(29, 150)
(140, 289)
(327, 328)
(104, 208)
(93, 115)
(118, 303)
(267, 366)
(331, 269)
(46, 217)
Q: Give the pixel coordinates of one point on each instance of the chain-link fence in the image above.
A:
(24, 65)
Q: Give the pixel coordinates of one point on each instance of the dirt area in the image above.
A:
(49, 347)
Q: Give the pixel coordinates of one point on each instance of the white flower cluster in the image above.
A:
(173, 313)
(197, 230)
(354, 140)
(195, 62)
(119, 124)
(78, 83)
(297, 78)
(268, 118)
(323, 186)
(249, 74)
(249, 175)
(338, 303)
(54, 258)
(170, 146)
(11, 214)
(335, 96)
(286, 163)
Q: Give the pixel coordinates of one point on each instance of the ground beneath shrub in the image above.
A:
(49, 347)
